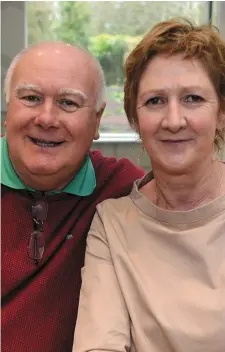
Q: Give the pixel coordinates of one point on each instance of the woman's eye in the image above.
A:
(154, 101)
(193, 99)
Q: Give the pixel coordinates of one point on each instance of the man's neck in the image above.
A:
(187, 191)
(45, 183)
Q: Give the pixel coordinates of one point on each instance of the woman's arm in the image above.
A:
(103, 321)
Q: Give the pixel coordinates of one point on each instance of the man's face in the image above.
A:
(51, 119)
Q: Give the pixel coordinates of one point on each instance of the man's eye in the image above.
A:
(31, 98)
(193, 99)
(68, 104)
(154, 101)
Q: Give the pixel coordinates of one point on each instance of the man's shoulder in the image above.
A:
(115, 176)
(108, 164)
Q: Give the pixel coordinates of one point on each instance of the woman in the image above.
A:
(154, 274)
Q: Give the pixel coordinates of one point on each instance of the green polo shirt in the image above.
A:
(82, 184)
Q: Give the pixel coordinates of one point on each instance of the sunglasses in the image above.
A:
(36, 245)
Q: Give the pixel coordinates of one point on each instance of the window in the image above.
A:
(110, 30)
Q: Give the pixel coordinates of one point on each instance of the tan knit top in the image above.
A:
(154, 280)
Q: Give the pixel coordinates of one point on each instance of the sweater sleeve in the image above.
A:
(103, 322)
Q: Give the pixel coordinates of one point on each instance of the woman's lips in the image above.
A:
(175, 140)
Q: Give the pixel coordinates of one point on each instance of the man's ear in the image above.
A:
(4, 124)
(98, 120)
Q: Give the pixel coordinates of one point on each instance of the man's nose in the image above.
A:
(47, 116)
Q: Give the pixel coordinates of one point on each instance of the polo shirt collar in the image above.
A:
(83, 183)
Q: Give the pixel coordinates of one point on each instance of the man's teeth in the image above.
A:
(45, 144)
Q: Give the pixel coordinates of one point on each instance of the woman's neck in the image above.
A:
(187, 191)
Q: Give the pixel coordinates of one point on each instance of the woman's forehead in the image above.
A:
(174, 71)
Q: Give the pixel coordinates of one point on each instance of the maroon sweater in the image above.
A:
(40, 302)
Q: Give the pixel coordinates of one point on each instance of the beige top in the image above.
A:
(154, 280)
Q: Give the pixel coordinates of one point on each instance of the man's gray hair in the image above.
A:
(101, 93)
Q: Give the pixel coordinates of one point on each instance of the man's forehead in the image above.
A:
(62, 60)
(57, 71)
(67, 68)
(53, 76)
(59, 48)
(56, 48)
(53, 55)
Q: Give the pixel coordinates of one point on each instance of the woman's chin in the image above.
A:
(174, 165)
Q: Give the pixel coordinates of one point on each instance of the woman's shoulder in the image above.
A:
(123, 205)
(112, 205)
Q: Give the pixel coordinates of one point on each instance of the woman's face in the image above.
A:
(178, 113)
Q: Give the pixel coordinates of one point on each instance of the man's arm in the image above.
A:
(103, 321)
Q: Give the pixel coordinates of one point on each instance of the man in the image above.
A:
(51, 184)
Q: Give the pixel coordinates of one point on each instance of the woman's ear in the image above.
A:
(221, 121)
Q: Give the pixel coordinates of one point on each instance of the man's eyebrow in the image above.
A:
(62, 91)
(26, 86)
(72, 91)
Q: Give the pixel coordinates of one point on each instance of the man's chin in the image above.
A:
(41, 178)
(42, 170)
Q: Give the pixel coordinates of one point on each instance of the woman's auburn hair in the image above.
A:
(177, 36)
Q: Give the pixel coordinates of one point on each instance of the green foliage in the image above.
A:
(135, 18)
(75, 21)
(41, 19)
(72, 26)
(109, 29)
(110, 51)
(62, 20)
